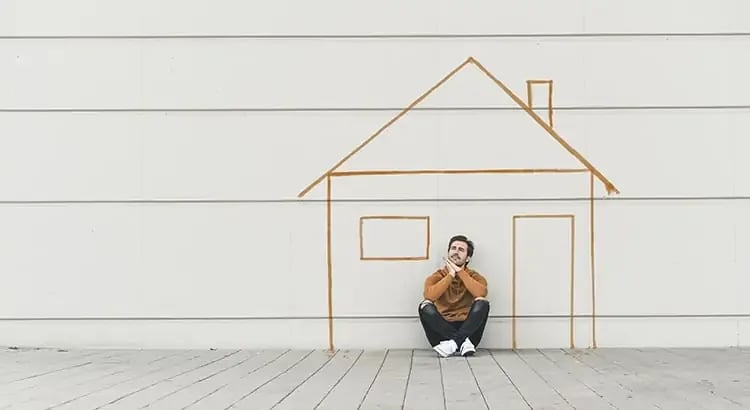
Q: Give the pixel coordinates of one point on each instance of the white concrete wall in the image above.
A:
(149, 170)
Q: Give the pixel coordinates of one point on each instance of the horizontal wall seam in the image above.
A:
(377, 109)
(366, 200)
(381, 317)
(394, 36)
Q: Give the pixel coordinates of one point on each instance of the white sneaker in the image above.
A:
(446, 348)
(467, 348)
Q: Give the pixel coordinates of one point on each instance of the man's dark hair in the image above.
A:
(463, 238)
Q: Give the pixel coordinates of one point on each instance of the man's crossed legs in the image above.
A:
(445, 337)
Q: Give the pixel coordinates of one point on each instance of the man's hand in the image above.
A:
(452, 268)
(447, 265)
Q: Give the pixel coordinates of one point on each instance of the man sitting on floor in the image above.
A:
(455, 309)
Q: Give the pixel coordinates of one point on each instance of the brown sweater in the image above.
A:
(453, 296)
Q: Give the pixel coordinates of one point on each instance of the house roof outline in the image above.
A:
(610, 187)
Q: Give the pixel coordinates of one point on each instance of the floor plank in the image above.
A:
(18, 392)
(683, 377)
(150, 394)
(191, 394)
(498, 390)
(278, 389)
(532, 387)
(726, 376)
(604, 378)
(350, 391)
(461, 388)
(599, 382)
(425, 388)
(315, 389)
(389, 386)
(643, 379)
(131, 368)
(576, 394)
(225, 396)
(141, 381)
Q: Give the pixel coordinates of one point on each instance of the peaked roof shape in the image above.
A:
(471, 60)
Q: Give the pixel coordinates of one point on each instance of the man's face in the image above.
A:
(458, 252)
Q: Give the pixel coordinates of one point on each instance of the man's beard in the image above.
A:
(458, 263)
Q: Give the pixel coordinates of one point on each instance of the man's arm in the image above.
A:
(477, 287)
(435, 286)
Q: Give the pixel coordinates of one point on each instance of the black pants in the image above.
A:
(437, 329)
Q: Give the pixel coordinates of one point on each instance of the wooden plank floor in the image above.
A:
(375, 379)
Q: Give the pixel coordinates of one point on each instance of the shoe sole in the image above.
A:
(440, 352)
(469, 353)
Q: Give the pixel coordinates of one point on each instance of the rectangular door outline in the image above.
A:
(572, 267)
